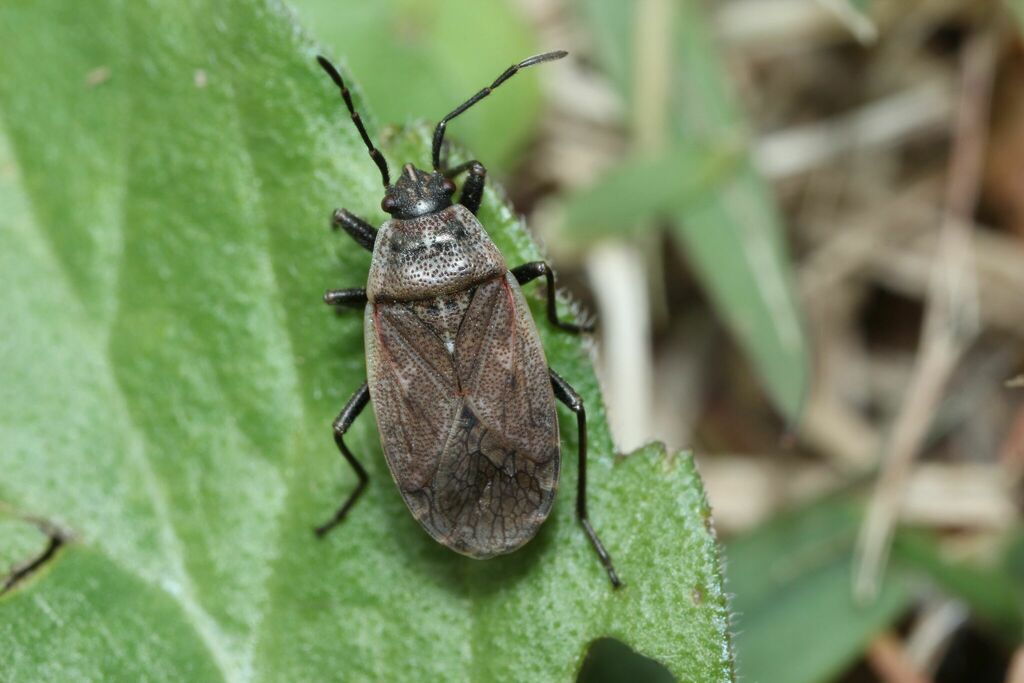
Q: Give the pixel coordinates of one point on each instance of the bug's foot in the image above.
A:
(323, 529)
(573, 328)
(586, 328)
(616, 582)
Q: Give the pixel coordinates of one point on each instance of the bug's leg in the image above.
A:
(567, 395)
(344, 420)
(353, 297)
(533, 270)
(361, 231)
(473, 188)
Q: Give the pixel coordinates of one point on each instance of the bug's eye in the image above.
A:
(389, 203)
(449, 186)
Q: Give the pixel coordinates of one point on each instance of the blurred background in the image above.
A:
(800, 224)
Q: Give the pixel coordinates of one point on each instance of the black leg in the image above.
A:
(361, 231)
(456, 171)
(344, 420)
(567, 395)
(473, 188)
(354, 297)
(533, 270)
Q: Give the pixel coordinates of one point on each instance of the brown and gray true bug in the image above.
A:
(465, 401)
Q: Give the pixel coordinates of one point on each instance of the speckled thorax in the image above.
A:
(432, 256)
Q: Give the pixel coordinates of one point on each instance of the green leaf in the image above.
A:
(170, 376)
(23, 542)
(733, 237)
(454, 48)
(796, 621)
(81, 628)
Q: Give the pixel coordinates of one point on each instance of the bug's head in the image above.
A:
(417, 193)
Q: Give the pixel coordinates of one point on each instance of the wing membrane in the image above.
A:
(471, 437)
(502, 371)
(414, 391)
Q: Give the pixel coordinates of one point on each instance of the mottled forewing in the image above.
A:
(503, 373)
(414, 392)
(469, 427)
(498, 474)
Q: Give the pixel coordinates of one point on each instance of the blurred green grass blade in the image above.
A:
(611, 24)
(1013, 558)
(856, 16)
(791, 580)
(995, 594)
(170, 376)
(656, 186)
(417, 59)
(1017, 8)
(734, 237)
(795, 619)
(747, 277)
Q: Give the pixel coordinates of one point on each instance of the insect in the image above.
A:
(464, 398)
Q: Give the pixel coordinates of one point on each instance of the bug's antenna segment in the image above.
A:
(375, 154)
(507, 74)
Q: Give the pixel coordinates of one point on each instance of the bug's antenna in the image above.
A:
(508, 73)
(375, 154)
